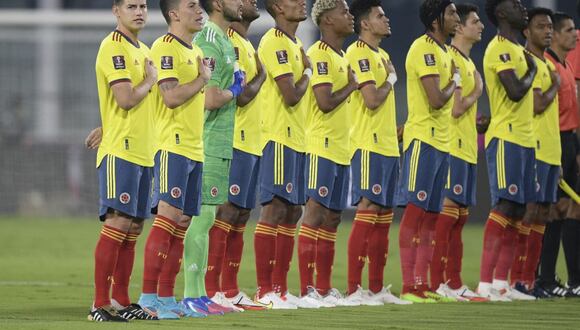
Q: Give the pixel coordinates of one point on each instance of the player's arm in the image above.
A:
(543, 100)
(374, 96)
(215, 96)
(293, 92)
(516, 88)
(462, 103)
(128, 96)
(327, 100)
(437, 97)
(253, 87)
(174, 94)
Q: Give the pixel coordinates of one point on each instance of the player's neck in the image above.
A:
(241, 28)
(507, 31)
(133, 35)
(463, 45)
(220, 21)
(333, 40)
(560, 52)
(538, 51)
(439, 36)
(287, 27)
(181, 33)
(370, 39)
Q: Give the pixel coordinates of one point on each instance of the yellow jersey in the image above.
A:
(462, 131)
(127, 134)
(247, 135)
(372, 130)
(328, 134)
(425, 58)
(281, 56)
(547, 124)
(510, 121)
(179, 130)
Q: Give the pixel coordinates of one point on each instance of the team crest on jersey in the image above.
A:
(422, 195)
(234, 190)
(377, 189)
(282, 56)
(323, 191)
(505, 57)
(289, 187)
(124, 198)
(213, 191)
(513, 189)
(167, 62)
(119, 62)
(429, 59)
(175, 192)
(322, 68)
(457, 189)
(210, 62)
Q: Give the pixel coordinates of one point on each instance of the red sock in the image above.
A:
(425, 249)
(156, 250)
(265, 249)
(507, 251)
(106, 253)
(520, 254)
(123, 270)
(307, 242)
(533, 255)
(455, 251)
(231, 266)
(445, 222)
(325, 259)
(362, 228)
(172, 264)
(492, 237)
(218, 235)
(408, 237)
(378, 249)
(284, 251)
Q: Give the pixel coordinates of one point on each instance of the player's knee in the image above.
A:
(367, 205)
(169, 211)
(332, 220)
(274, 212)
(184, 221)
(511, 209)
(243, 217)
(315, 213)
(294, 214)
(227, 212)
(137, 226)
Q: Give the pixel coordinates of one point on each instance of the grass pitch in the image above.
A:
(46, 283)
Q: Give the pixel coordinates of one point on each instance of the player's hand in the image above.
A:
(389, 67)
(93, 140)
(260, 67)
(482, 123)
(305, 59)
(150, 71)
(203, 69)
(239, 82)
(352, 80)
(555, 78)
(532, 67)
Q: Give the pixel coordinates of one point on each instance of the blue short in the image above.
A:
(327, 182)
(124, 187)
(177, 182)
(282, 174)
(461, 182)
(512, 171)
(423, 177)
(547, 177)
(244, 179)
(374, 177)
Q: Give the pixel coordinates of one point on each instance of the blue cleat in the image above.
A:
(182, 310)
(151, 304)
(197, 305)
(212, 305)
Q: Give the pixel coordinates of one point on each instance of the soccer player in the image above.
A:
(375, 163)
(432, 79)
(179, 159)
(509, 73)
(225, 248)
(282, 163)
(546, 285)
(328, 151)
(221, 92)
(460, 189)
(125, 76)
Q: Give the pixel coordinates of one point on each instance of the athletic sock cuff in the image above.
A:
(113, 233)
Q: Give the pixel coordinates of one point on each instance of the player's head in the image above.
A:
(131, 14)
(187, 13)
(540, 28)
(471, 26)
(333, 15)
(289, 10)
(564, 36)
(250, 11)
(439, 15)
(230, 9)
(509, 11)
(369, 16)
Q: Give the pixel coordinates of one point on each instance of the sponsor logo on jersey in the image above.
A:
(167, 62)
(119, 62)
(282, 56)
(364, 65)
(322, 68)
(429, 59)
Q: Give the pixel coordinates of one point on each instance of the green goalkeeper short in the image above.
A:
(215, 180)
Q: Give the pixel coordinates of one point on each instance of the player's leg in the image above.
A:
(446, 220)
(521, 247)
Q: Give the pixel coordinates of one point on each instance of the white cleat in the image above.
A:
(221, 299)
(504, 288)
(485, 290)
(313, 296)
(334, 297)
(386, 297)
(302, 302)
(445, 291)
(361, 297)
(273, 300)
(242, 300)
(466, 293)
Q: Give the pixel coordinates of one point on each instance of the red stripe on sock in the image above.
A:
(324, 259)
(378, 250)
(492, 238)
(357, 248)
(265, 250)
(123, 270)
(307, 247)
(106, 255)
(156, 250)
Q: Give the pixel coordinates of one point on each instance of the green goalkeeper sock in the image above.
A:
(195, 252)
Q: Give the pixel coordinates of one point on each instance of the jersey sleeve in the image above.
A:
(215, 57)
(424, 60)
(275, 56)
(166, 60)
(362, 66)
(112, 61)
(321, 63)
(502, 59)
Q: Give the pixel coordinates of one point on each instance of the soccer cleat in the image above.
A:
(466, 293)
(540, 293)
(486, 291)
(445, 292)
(554, 289)
(572, 291)
(242, 300)
(521, 287)
(335, 298)
(362, 297)
(220, 299)
(171, 304)
(152, 306)
(504, 289)
(313, 297)
(212, 305)
(386, 297)
(198, 305)
(105, 314)
(135, 312)
(417, 298)
(437, 297)
(272, 299)
(299, 302)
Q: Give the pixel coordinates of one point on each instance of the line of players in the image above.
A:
(286, 122)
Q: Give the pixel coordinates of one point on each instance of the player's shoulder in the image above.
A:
(163, 42)
(113, 40)
(357, 48)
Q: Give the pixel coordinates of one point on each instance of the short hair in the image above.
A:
(320, 7)
(207, 5)
(360, 9)
(533, 12)
(464, 9)
(117, 2)
(166, 6)
(432, 10)
(490, 7)
(558, 20)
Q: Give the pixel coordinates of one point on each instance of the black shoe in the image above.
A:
(105, 314)
(540, 293)
(521, 287)
(573, 291)
(555, 289)
(135, 312)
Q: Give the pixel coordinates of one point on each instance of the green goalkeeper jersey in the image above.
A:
(218, 131)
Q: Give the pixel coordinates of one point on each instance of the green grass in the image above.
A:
(46, 283)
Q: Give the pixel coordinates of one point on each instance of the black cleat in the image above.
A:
(105, 314)
(539, 292)
(135, 312)
(573, 291)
